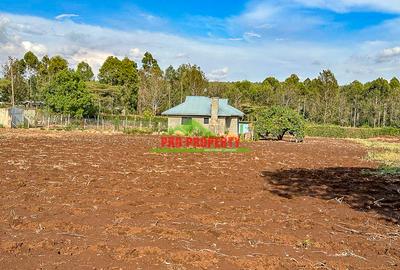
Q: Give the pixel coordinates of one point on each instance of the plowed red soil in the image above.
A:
(74, 200)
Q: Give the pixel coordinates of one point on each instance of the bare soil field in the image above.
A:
(75, 200)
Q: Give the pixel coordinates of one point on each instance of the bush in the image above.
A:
(192, 128)
(333, 131)
(277, 121)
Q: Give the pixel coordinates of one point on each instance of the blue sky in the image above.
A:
(230, 40)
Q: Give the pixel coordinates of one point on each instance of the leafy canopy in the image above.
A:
(276, 121)
(67, 93)
(85, 71)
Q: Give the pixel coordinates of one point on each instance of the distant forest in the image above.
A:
(123, 87)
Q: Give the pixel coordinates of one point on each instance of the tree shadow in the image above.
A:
(364, 189)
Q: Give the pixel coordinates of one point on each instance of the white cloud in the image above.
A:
(36, 48)
(218, 74)
(182, 56)
(389, 54)
(349, 5)
(65, 16)
(136, 54)
(254, 60)
(251, 35)
(95, 58)
(272, 19)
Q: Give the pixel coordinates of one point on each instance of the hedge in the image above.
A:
(333, 131)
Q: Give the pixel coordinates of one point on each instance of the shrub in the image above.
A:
(277, 121)
(192, 128)
(333, 131)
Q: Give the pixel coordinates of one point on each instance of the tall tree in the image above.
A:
(14, 72)
(172, 79)
(328, 91)
(192, 80)
(85, 71)
(32, 65)
(153, 87)
(150, 64)
(123, 73)
(110, 71)
(67, 94)
(57, 64)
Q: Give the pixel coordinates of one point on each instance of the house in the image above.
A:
(214, 113)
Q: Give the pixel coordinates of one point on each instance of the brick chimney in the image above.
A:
(214, 115)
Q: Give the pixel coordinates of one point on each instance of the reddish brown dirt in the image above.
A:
(73, 200)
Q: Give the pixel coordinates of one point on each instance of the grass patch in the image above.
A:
(386, 153)
(201, 150)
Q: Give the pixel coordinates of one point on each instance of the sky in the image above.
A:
(229, 40)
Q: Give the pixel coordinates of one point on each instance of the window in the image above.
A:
(206, 120)
(186, 120)
(228, 122)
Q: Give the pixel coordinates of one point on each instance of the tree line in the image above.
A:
(123, 87)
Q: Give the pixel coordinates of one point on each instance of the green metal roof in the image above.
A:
(201, 106)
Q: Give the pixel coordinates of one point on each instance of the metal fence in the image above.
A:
(118, 123)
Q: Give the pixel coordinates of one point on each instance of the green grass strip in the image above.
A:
(201, 150)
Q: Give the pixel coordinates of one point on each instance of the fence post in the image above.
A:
(134, 121)
(48, 122)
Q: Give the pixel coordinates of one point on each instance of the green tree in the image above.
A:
(123, 73)
(5, 85)
(150, 64)
(14, 72)
(85, 71)
(394, 102)
(378, 91)
(276, 121)
(67, 94)
(172, 79)
(192, 81)
(32, 65)
(109, 72)
(328, 92)
(153, 87)
(57, 64)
